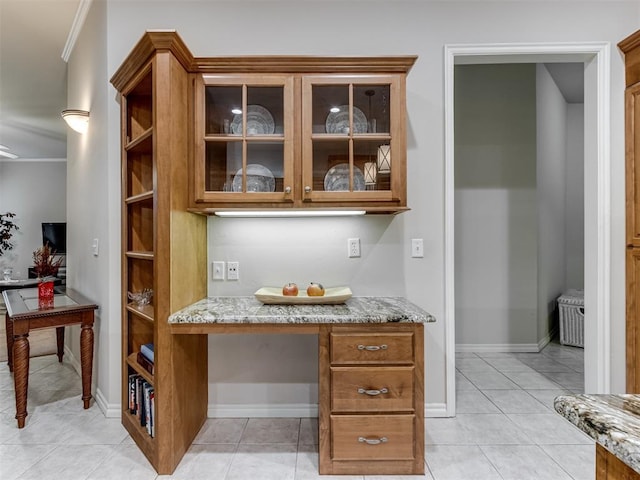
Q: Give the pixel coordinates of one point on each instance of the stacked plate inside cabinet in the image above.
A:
(259, 121)
(338, 122)
(337, 179)
(259, 179)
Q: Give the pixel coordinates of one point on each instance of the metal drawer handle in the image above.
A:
(372, 441)
(373, 393)
(372, 348)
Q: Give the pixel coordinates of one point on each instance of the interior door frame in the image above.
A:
(596, 58)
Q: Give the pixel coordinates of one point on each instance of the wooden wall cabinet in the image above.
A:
(317, 133)
(163, 246)
(631, 49)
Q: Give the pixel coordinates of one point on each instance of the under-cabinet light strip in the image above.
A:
(289, 213)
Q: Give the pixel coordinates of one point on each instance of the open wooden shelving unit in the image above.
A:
(163, 246)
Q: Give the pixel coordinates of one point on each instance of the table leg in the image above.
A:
(86, 359)
(9, 333)
(60, 340)
(21, 376)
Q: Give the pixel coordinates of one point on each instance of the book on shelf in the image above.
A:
(145, 363)
(142, 402)
(147, 351)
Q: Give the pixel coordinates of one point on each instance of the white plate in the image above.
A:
(259, 179)
(337, 179)
(338, 122)
(332, 296)
(259, 121)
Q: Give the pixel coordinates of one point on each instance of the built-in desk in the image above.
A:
(24, 314)
(371, 373)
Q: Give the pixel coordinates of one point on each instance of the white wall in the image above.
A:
(278, 374)
(496, 215)
(574, 199)
(551, 128)
(93, 197)
(36, 193)
(301, 27)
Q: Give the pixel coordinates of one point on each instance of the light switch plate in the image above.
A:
(417, 248)
(218, 270)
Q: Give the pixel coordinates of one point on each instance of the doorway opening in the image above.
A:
(595, 58)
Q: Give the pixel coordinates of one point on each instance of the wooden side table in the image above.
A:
(24, 314)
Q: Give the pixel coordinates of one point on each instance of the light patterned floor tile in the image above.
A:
(515, 401)
(221, 430)
(271, 430)
(266, 462)
(205, 462)
(524, 462)
(549, 429)
(125, 462)
(458, 462)
(68, 462)
(579, 461)
(16, 459)
(474, 401)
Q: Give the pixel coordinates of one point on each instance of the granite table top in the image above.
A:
(611, 420)
(234, 310)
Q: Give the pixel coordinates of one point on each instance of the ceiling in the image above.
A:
(33, 76)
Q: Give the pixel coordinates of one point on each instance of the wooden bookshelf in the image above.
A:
(157, 230)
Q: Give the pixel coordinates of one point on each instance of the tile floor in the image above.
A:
(505, 429)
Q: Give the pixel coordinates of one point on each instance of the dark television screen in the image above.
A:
(55, 234)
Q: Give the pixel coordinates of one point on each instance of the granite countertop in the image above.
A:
(612, 420)
(249, 310)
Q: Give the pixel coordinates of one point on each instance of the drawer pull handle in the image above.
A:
(373, 393)
(372, 348)
(372, 441)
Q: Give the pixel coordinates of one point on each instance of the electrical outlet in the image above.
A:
(353, 245)
(233, 270)
(218, 270)
(417, 248)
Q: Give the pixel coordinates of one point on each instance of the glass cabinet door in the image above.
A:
(244, 135)
(349, 137)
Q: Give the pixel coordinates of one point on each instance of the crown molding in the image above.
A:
(76, 28)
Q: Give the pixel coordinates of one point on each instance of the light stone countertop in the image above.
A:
(231, 310)
(611, 420)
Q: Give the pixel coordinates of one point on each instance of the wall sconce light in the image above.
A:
(384, 159)
(78, 120)
(370, 172)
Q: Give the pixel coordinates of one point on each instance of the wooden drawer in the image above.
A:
(366, 389)
(371, 348)
(372, 437)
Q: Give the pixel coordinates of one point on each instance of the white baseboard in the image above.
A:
(435, 410)
(506, 347)
(109, 410)
(281, 410)
(497, 347)
(545, 341)
(112, 410)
